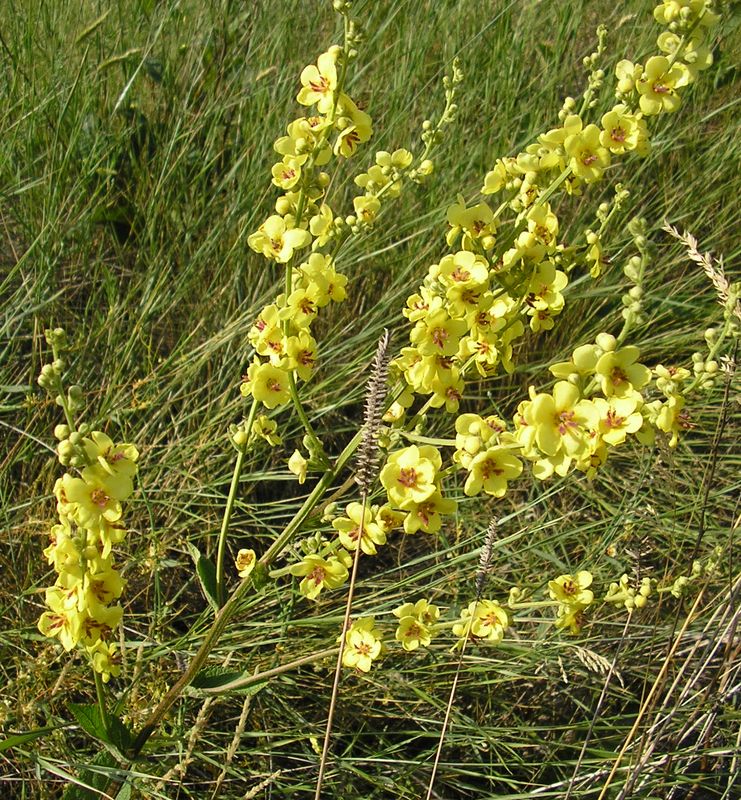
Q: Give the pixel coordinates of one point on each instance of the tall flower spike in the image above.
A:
(375, 393)
(485, 558)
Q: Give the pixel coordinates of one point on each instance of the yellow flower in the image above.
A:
(438, 334)
(301, 351)
(318, 574)
(412, 633)
(588, 158)
(618, 417)
(287, 173)
(106, 660)
(476, 223)
(318, 83)
(349, 528)
(110, 458)
(427, 515)
(267, 384)
(628, 74)
(266, 429)
(245, 562)
(363, 645)
(298, 465)
(322, 225)
(491, 470)
(322, 281)
(366, 208)
(95, 496)
(572, 590)
(60, 621)
(619, 373)
(560, 420)
(622, 131)
(659, 83)
(355, 127)
(387, 519)
(485, 620)
(409, 475)
(277, 240)
(301, 306)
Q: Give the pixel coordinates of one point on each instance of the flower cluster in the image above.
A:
(413, 486)
(416, 624)
(573, 595)
(510, 271)
(483, 620)
(623, 594)
(82, 604)
(334, 128)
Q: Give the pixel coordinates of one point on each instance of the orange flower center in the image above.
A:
(99, 498)
(565, 421)
(460, 275)
(321, 86)
(439, 336)
(408, 477)
(613, 420)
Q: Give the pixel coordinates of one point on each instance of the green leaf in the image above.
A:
(206, 571)
(214, 677)
(111, 732)
(21, 738)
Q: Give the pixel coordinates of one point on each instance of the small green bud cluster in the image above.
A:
(596, 74)
(631, 597)
(634, 271)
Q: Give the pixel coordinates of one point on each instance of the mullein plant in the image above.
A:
(83, 609)
(506, 271)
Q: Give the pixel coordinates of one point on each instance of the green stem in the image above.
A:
(226, 519)
(199, 659)
(100, 692)
(260, 677)
(316, 443)
(323, 484)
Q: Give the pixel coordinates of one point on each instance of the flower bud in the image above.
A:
(283, 205)
(636, 293)
(74, 393)
(240, 438)
(65, 451)
(75, 438)
(61, 432)
(606, 342)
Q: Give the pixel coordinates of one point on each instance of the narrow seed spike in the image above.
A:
(485, 558)
(375, 394)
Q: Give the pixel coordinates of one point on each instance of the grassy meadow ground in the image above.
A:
(134, 162)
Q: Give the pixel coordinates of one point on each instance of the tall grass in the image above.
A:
(134, 155)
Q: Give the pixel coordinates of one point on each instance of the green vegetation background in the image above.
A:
(134, 162)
